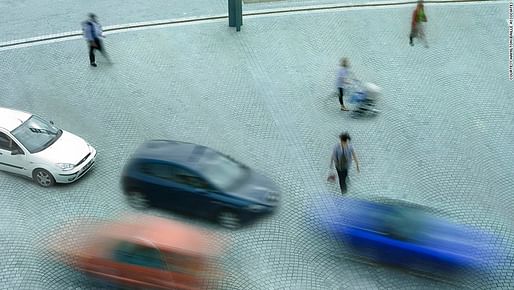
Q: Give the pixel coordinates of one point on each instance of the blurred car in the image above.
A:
(195, 179)
(407, 235)
(140, 252)
(35, 148)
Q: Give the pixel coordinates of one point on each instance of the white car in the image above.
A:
(35, 148)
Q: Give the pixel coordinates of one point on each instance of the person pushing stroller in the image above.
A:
(343, 80)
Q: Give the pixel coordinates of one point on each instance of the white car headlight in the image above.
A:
(65, 166)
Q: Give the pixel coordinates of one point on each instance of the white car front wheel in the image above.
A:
(43, 178)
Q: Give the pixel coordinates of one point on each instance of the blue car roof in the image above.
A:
(184, 153)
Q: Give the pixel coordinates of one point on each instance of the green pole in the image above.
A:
(235, 14)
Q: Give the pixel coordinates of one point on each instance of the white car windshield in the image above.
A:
(223, 172)
(36, 134)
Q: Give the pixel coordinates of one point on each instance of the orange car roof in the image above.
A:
(161, 233)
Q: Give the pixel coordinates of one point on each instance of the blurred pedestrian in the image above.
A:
(93, 33)
(342, 156)
(343, 80)
(419, 18)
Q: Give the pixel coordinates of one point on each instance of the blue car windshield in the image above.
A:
(36, 134)
(404, 223)
(222, 171)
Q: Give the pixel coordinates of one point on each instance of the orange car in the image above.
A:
(144, 252)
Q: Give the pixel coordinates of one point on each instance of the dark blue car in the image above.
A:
(406, 235)
(198, 180)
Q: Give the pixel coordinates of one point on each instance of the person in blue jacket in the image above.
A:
(93, 33)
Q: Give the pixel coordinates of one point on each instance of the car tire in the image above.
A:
(229, 219)
(43, 178)
(137, 199)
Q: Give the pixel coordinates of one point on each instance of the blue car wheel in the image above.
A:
(137, 199)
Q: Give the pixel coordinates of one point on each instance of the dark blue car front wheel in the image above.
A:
(137, 199)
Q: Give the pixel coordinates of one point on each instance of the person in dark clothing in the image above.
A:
(342, 156)
(93, 33)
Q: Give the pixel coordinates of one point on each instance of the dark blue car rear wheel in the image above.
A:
(229, 219)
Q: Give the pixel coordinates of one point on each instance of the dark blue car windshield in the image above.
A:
(222, 171)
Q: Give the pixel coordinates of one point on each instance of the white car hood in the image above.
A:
(68, 148)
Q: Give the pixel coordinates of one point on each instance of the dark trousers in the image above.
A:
(413, 34)
(341, 93)
(95, 44)
(342, 174)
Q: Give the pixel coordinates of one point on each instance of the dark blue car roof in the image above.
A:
(184, 153)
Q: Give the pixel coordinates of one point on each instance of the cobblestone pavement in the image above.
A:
(265, 96)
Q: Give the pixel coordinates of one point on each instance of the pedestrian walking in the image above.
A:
(419, 18)
(343, 80)
(342, 156)
(93, 33)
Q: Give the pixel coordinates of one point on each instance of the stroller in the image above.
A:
(365, 97)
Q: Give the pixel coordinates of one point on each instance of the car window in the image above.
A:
(174, 173)
(36, 134)
(15, 147)
(224, 172)
(183, 263)
(5, 142)
(162, 171)
(129, 253)
(188, 178)
(404, 223)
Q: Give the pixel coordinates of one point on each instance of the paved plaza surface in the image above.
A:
(266, 96)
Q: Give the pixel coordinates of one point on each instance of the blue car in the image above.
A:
(405, 235)
(197, 180)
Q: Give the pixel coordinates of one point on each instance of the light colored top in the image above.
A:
(92, 30)
(342, 77)
(342, 156)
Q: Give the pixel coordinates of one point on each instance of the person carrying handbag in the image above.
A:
(342, 156)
